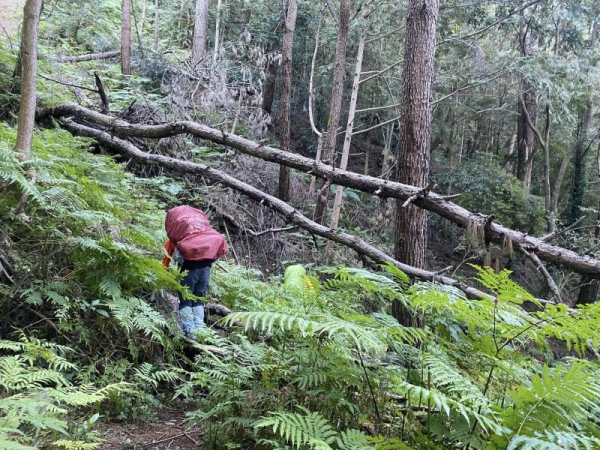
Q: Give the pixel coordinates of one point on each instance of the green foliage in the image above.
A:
(36, 394)
(311, 430)
(488, 189)
(85, 255)
(478, 382)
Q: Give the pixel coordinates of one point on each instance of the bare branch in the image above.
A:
(422, 193)
(540, 266)
(493, 24)
(554, 234)
(583, 264)
(272, 230)
(290, 213)
(81, 58)
(67, 84)
(382, 71)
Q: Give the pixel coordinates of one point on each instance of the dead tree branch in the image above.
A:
(555, 234)
(81, 58)
(540, 266)
(422, 193)
(290, 213)
(64, 83)
(576, 262)
(272, 230)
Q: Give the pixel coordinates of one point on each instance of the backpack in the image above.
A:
(190, 230)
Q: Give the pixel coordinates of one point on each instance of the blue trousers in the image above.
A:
(190, 311)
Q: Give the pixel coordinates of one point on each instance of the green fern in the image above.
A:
(309, 429)
(554, 440)
(559, 397)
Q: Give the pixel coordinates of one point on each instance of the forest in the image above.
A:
(409, 192)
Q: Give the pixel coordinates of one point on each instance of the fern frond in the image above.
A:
(7, 444)
(353, 440)
(559, 396)
(554, 440)
(309, 429)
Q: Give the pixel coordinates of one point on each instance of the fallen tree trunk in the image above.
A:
(81, 58)
(290, 213)
(430, 201)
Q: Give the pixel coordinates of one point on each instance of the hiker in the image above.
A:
(199, 245)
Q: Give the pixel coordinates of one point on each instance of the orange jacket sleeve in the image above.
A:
(170, 248)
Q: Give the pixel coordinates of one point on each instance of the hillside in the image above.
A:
(318, 225)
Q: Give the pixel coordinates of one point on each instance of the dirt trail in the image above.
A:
(167, 432)
(11, 13)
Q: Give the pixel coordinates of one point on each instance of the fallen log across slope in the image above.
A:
(421, 197)
(289, 212)
(81, 58)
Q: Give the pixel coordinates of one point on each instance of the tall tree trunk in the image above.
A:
(311, 100)
(582, 135)
(143, 18)
(200, 32)
(525, 141)
(126, 37)
(525, 144)
(415, 126)
(269, 86)
(337, 92)
(544, 141)
(286, 96)
(217, 34)
(337, 203)
(550, 212)
(156, 25)
(31, 18)
(577, 150)
(387, 152)
(415, 135)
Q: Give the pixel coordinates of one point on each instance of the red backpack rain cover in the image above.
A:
(189, 229)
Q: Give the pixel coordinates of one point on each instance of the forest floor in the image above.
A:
(167, 431)
(10, 15)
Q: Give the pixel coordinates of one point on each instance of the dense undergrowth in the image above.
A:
(308, 360)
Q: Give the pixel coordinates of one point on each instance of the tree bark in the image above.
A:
(156, 25)
(31, 18)
(525, 147)
(269, 86)
(143, 18)
(286, 96)
(200, 32)
(90, 57)
(126, 37)
(415, 127)
(544, 142)
(435, 203)
(337, 92)
(217, 34)
(311, 100)
(337, 203)
(387, 152)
